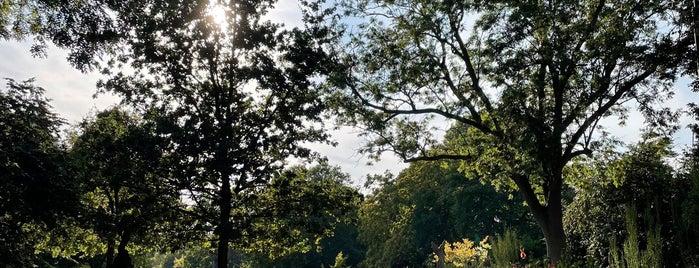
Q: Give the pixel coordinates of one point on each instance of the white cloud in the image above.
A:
(346, 155)
(287, 12)
(70, 90)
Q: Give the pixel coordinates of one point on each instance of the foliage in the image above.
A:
(633, 256)
(85, 28)
(506, 249)
(429, 203)
(640, 177)
(687, 223)
(119, 163)
(340, 261)
(36, 192)
(300, 210)
(687, 207)
(465, 253)
(531, 80)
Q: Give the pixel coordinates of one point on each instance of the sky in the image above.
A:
(71, 93)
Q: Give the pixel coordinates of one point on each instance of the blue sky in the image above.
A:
(72, 97)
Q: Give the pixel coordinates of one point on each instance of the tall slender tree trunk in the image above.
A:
(109, 256)
(224, 226)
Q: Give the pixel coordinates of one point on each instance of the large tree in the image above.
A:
(235, 94)
(530, 79)
(35, 190)
(119, 163)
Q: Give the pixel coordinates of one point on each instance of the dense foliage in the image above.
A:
(35, 189)
(429, 203)
(191, 170)
(640, 181)
(119, 163)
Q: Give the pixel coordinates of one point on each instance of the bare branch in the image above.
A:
(584, 151)
(625, 88)
(413, 110)
(469, 67)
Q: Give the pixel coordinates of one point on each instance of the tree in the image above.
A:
(308, 215)
(638, 183)
(428, 203)
(531, 80)
(236, 98)
(35, 190)
(126, 195)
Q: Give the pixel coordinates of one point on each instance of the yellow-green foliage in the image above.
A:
(340, 261)
(465, 253)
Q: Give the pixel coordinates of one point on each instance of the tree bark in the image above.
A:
(551, 225)
(123, 258)
(109, 256)
(224, 226)
(441, 255)
(548, 217)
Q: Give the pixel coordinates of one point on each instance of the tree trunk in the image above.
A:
(123, 258)
(441, 255)
(551, 225)
(224, 226)
(548, 217)
(109, 256)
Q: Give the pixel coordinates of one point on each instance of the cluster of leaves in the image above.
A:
(505, 248)
(465, 253)
(632, 255)
(300, 211)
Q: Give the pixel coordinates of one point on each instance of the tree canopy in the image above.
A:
(431, 202)
(530, 79)
(235, 99)
(127, 198)
(35, 189)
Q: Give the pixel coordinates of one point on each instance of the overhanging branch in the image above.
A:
(625, 88)
(415, 111)
(439, 157)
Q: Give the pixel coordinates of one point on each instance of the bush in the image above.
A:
(506, 249)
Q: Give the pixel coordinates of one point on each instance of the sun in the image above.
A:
(218, 13)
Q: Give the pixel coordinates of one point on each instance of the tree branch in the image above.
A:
(445, 114)
(439, 157)
(625, 88)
